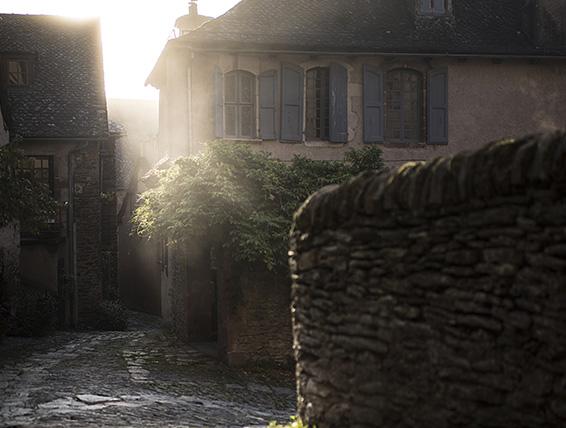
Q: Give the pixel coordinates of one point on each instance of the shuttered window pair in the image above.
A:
(232, 107)
(395, 106)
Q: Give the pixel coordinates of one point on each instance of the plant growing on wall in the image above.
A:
(21, 197)
(241, 198)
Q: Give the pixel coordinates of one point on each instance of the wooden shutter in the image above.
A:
(291, 103)
(267, 102)
(373, 105)
(438, 107)
(338, 103)
(218, 103)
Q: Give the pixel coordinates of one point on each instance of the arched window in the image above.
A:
(239, 104)
(403, 106)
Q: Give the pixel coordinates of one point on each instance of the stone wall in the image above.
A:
(9, 261)
(78, 257)
(254, 321)
(434, 296)
(242, 307)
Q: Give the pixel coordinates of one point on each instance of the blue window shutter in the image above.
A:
(438, 107)
(338, 103)
(373, 105)
(267, 103)
(218, 103)
(292, 103)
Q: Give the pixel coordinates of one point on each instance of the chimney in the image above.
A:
(186, 23)
(193, 8)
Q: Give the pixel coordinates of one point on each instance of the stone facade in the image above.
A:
(243, 308)
(433, 296)
(75, 257)
(254, 322)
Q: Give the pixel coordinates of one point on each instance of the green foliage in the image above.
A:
(111, 315)
(21, 197)
(241, 198)
(295, 423)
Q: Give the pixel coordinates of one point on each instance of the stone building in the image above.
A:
(421, 79)
(418, 78)
(54, 105)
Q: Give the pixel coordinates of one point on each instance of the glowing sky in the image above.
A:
(133, 33)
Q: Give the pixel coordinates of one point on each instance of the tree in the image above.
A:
(241, 198)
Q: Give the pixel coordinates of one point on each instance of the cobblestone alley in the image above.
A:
(141, 377)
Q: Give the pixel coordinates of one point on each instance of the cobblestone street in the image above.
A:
(141, 377)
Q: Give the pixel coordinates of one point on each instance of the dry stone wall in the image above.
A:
(435, 296)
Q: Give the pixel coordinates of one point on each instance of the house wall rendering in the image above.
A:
(487, 100)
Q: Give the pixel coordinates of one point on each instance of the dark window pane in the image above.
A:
(40, 169)
(318, 103)
(230, 88)
(239, 107)
(246, 121)
(17, 73)
(246, 89)
(230, 113)
(403, 108)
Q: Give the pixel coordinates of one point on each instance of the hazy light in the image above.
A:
(133, 32)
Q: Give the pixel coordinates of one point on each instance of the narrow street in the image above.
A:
(141, 377)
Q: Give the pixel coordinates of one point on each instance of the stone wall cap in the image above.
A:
(499, 169)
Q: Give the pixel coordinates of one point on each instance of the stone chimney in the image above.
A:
(193, 8)
(187, 23)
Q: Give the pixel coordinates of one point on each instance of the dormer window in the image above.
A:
(433, 7)
(18, 72)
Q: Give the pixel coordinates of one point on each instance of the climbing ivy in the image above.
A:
(240, 198)
(21, 197)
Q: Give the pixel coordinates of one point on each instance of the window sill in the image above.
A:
(323, 144)
(399, 145)
(244, 140)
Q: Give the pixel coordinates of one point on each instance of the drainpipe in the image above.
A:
(72, 234)
(190, 105)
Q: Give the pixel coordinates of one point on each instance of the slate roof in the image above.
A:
(66, 97)
(476, 27)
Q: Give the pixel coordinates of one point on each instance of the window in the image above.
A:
(18, 72)
(281, 104)
(432, 7)
(40, 169)
(239, 105)
(318, 104)
(403, 106)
